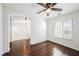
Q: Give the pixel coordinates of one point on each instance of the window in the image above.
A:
(58, 29)
(63, 29)
(67, 29)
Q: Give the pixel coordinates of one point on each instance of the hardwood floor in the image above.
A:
(46, 48)
(19, 48)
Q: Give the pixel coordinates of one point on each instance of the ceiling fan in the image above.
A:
(48, 7)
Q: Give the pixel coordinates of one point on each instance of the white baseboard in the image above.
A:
(65, 45)
(32, 43)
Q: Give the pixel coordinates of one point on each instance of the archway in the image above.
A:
(19, 34)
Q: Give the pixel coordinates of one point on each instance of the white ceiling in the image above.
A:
(33, 8)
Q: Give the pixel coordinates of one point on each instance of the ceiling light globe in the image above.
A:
(48, 10)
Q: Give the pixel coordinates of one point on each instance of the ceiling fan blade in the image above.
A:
(41, 11)
(41, 4)
(53, 4)
(56, 9)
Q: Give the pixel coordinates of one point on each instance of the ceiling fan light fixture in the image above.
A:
(48, 10)
(49, 7)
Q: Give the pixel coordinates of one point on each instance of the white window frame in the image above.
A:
(64, 36)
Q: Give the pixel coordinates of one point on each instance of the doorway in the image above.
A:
(20, 33)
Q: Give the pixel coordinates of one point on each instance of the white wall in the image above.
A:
(74, 43)
(1, 32)
(38, 27)
(38, 30)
